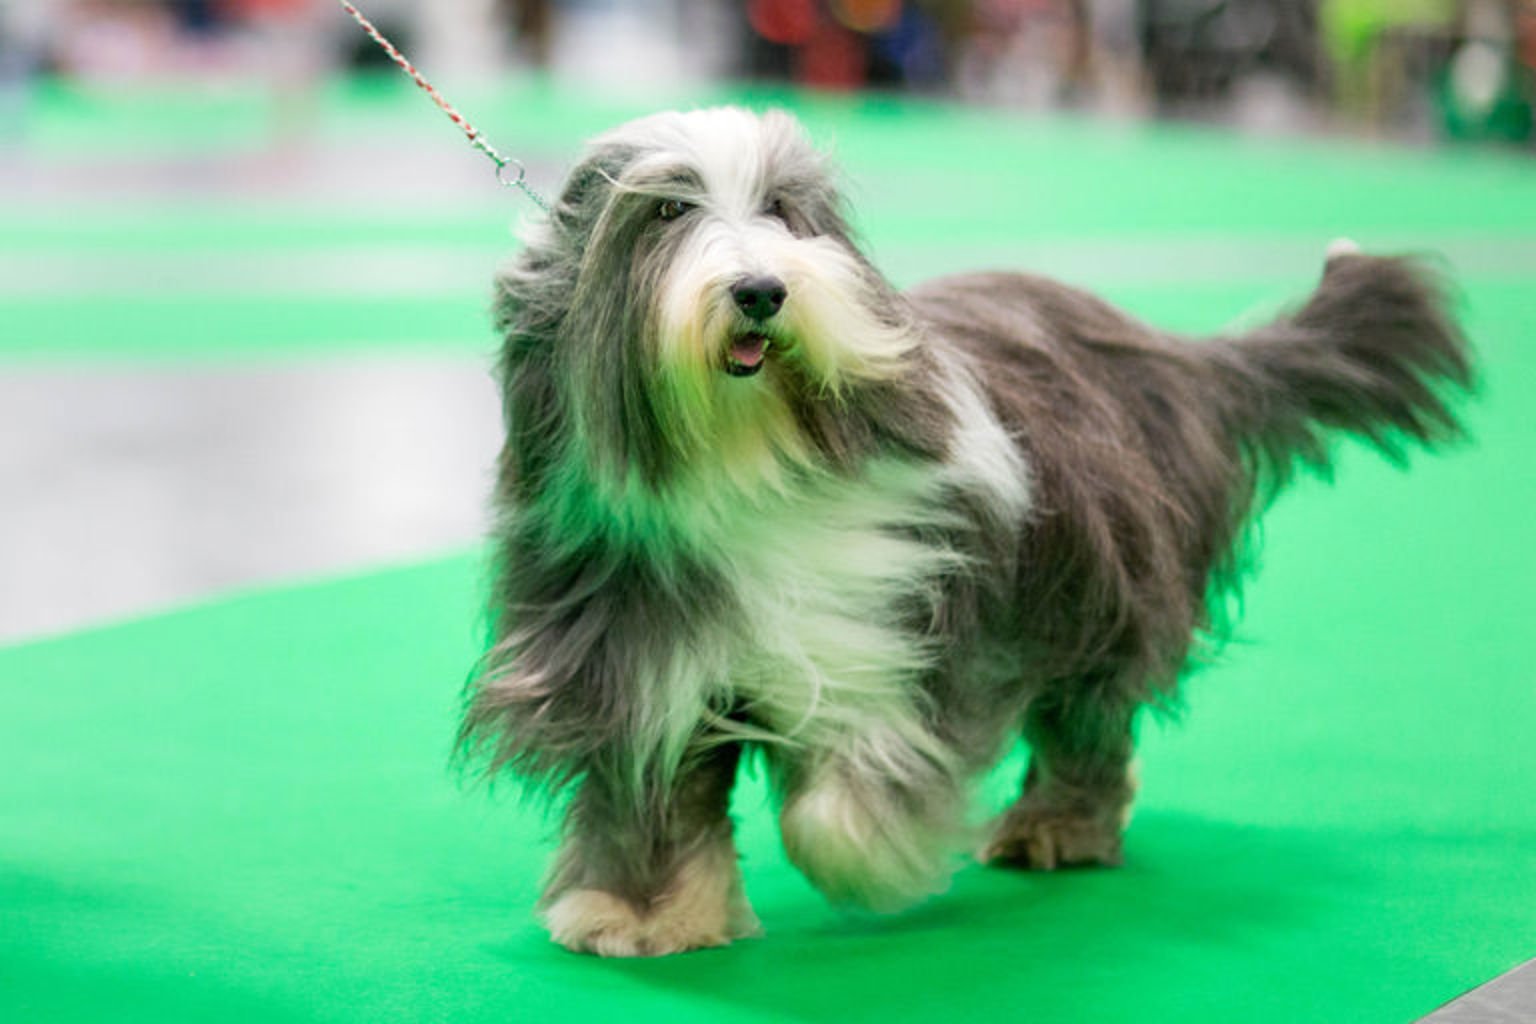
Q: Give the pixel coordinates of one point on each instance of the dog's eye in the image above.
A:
(776, 210)
(671, 209)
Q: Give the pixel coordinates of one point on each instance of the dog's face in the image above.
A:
(703, 291)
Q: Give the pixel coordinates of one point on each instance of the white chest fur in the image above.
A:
(830, 588)
(829, 582)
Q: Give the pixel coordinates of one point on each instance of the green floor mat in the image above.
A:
(244, 811)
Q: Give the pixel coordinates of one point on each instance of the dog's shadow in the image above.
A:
(1010, 945)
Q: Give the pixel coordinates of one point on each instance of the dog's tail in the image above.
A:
(1374, 352)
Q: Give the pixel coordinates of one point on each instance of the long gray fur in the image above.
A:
(1144, 455)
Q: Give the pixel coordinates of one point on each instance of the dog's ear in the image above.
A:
(531, 292)
(590, 181)
(805, 180)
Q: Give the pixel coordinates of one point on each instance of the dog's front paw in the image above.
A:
(704, 907)
(593, 921)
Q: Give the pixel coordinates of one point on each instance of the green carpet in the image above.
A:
(243, 811)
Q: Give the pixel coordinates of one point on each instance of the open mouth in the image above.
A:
(747, 354)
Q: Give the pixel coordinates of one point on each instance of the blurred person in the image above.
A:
(25, 29)
(199, 17)
(1076, 58)
(289, 26)
(360, 53)
(288, 46)
(24, 33)
(811, 42)
(1097, 59)
(532, 26)
(849, 44)
(1487, 90)
(841, 54)
(1046, 53)
(1118, 75)
(911, 49)
(114, 40)
(772, 33)
(281, 40)
(1453, 65)
(1027, 52)
(1200, 52)
(1383, 54)
(1038, 52)
(1525, 34)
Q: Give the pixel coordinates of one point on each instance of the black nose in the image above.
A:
(759, 297)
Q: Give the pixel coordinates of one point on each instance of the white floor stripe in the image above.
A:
(464, 272)
(131, 489)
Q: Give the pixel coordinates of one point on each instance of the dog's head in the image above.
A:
(695, 293)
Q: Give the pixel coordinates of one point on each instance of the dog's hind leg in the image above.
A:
(652, 876)
(1078, 789)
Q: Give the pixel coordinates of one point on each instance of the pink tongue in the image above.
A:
(749, 350)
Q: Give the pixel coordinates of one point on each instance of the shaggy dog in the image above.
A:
(753, 497)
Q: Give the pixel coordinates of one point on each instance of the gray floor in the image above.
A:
(1508, 999)
(131, 490)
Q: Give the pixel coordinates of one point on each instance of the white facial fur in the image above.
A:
(835, 328)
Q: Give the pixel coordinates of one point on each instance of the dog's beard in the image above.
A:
(726, 383)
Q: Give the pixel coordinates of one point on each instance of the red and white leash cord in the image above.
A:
(509, 171)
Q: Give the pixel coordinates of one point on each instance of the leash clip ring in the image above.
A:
(505, 169)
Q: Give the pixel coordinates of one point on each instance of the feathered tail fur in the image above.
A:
(1374, 352)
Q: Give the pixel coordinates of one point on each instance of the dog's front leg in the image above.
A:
(651, 874)
(876, 822)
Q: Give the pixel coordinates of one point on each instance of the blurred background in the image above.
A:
(1415, 68)
(244, 265)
